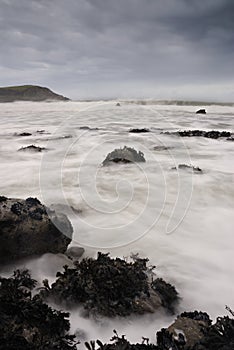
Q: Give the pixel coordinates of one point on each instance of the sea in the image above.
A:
(182, 221)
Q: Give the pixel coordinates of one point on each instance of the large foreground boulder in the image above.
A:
(26, 229)
(124, 155)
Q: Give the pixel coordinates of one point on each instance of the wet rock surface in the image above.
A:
(124, 155)
(26, 322)
(32, 148)
(213, 134)
(111, 287)
(26, 229)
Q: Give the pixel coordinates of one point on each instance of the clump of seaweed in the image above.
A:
(26, 322)
(104, 285)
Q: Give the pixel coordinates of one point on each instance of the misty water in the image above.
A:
(182, 221)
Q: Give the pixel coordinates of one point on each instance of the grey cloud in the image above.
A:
(80, 45)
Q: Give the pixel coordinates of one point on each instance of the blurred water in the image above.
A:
(182, 222)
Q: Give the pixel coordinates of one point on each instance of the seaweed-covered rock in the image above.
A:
(32, 148)
(107, 286)
(27, 229)
(213, 134)
(192, 168)
(26, 322)
(167, 293)
(191, 326)
(124, 155)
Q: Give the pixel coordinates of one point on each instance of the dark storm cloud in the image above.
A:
(105, 47)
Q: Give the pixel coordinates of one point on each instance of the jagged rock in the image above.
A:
(201, 111)
(32, 148)
(188, 167)
(124, 155)
(26, 229)
(138, 131)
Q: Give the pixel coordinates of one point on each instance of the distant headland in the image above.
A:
(29, 93)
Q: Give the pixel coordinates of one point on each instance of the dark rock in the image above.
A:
(192, 326)
(118, 104)
(167, 293)
(87, 128)
(213, 134)
(27, 229)
(106, 286)
(26, 322)
(161, 148)
(75, 252)
(201, 111)
(138, 131)
(32, 148)
(25, 134)
(230, 139)
(3, 198)
(188, 167)
(124, 155)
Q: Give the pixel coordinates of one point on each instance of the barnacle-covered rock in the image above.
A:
(26, 229)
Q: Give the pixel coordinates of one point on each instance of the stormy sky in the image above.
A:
(174, 49)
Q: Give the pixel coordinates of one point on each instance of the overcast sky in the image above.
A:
(176, 49)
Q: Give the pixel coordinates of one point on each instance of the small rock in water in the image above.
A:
(188, 167)
(161, 148)
(32, 148)
(138, 131)
(118, 104)
(25, 134)
(124, 155)
(75, 252)
(201, 111)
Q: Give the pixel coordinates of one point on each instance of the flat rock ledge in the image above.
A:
(27, 229)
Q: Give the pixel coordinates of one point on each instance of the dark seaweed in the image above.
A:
(26, 322)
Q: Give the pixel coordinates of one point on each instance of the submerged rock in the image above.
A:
(25, 134)
(213, 134)
(161, 148)
(188, 167)
(110, 287)
(27, 229)
(124, 155)
(32, 148)
(201, 111)
(138, 131)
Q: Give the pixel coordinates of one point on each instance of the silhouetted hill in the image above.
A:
(28, 93)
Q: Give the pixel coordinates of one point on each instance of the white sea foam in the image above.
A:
(182, 222)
